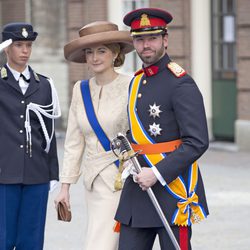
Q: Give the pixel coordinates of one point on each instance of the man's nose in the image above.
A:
(145, 43)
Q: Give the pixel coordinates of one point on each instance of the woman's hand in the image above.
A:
(63, 195)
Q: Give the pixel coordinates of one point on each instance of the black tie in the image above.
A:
(24, 78)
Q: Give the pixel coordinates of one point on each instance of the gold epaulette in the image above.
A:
(176, 69)
(138, 72)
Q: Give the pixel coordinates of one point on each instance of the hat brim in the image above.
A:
(74, 50)
(17, 37)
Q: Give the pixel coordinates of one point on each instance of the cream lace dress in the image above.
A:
(85, 155)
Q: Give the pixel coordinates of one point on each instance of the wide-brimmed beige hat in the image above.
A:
(100, 32)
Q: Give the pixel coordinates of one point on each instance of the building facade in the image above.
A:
(210, 39)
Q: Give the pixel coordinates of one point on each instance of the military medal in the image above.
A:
(155, 129)
(195, 217)
(154, 110)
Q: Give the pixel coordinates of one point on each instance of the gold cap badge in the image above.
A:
(144, 20)
(24, 32)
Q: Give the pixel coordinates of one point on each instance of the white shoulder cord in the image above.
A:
(51, 111)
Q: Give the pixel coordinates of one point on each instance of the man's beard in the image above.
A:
(149, 60)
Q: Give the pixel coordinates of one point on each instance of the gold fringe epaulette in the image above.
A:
(176, 69)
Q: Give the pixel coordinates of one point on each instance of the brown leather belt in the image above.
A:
(157, 148)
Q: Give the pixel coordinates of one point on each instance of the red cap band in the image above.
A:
(148, 23)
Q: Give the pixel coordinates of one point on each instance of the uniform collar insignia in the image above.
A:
(144, 20)
(4, 73)
(138, 72)
(151, 70)
(36, 76)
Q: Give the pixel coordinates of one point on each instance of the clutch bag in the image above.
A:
(63, 212)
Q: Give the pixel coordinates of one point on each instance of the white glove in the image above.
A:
(5, 44)
(129, 169)
(53, 185)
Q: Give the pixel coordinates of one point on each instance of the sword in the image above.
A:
(116, 143)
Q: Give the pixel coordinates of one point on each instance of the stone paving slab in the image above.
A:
(226, 174)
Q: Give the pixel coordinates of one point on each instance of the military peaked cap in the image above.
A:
(147, 21)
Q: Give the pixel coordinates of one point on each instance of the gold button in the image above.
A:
(139, 95)
(144, 81)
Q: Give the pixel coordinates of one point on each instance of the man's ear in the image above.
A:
(165, 40)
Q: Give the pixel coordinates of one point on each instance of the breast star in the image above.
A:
(155, 129)
(154, 110)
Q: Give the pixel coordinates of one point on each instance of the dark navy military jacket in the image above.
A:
(182, 117)
(16, 166)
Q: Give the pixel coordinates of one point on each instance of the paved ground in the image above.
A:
(226, 174)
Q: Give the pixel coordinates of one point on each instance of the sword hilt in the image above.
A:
(124, 141)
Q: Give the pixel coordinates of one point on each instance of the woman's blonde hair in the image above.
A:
(116, 49)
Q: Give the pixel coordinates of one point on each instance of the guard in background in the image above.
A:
(168, 127)
(28, 153)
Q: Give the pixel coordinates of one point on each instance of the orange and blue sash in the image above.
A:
(90, 112)
(188, 209)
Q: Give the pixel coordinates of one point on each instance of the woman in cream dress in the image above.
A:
(102, 47)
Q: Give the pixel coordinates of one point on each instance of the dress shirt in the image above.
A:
(23, 81)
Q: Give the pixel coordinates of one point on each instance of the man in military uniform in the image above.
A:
(28, 153)
(168, 127)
